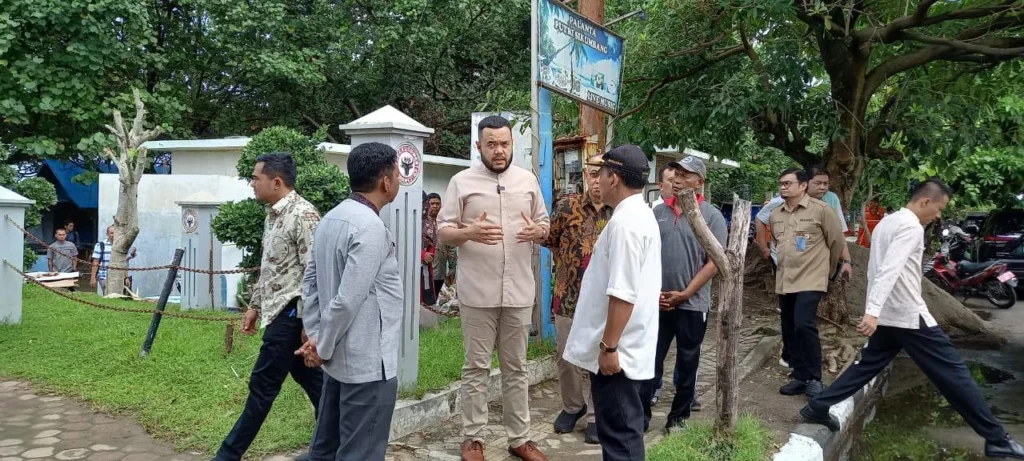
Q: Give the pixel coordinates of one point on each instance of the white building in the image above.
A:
(207, 167)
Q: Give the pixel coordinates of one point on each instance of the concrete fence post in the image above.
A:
(12, 250)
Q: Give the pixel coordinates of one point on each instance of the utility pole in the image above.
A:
(592, 121)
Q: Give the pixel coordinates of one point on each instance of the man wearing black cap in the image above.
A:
(617, 309)
(685, 288)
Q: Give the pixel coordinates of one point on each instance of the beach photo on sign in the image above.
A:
(578, 58)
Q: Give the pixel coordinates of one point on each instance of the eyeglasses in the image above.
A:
(786, 184)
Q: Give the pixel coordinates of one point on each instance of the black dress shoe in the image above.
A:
(814, 387)
(695, 406)
(590, 435)
(795, 387)
(1006, 448)
(303, 457)
(566, 422)
(819, 416)
(675, 427)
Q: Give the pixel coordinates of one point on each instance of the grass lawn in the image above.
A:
(187, 391)
(751, 442)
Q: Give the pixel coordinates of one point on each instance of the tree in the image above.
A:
(131, 161)
(318, 181)
(828, 82)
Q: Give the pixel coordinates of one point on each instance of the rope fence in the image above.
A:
(129, 269)
(68, 296)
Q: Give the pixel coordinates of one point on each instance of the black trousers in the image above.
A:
(800, 333)
(355, 421)
(688, 329)
(933, 352)
(619, 414)
(276, 360)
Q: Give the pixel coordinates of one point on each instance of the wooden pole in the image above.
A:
(592, 121)
(730, 265)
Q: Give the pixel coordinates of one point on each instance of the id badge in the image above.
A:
(801, 243)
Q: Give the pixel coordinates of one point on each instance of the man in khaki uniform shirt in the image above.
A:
(810, 242)
(494, 213)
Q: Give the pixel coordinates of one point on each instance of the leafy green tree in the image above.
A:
(830, 82)
(319, 182)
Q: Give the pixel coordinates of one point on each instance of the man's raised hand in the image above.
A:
(481, 232)
(532, 232)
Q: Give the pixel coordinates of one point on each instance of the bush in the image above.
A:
(319, 182)
(37, 189)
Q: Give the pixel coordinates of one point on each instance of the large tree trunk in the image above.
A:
(131, 163)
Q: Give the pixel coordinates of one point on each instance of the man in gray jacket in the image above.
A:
(353, 313)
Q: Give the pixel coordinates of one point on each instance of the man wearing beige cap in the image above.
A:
(494, 213)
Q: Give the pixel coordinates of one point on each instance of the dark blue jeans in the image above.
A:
(276, 360)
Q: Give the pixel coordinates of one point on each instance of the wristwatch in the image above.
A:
(608, 350)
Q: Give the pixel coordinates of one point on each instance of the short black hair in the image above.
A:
(279, 165)
(493, 122)
(661, 174)
(368, 163)
(933, 188)
(801, 174)
(432, 195)
(817, 170)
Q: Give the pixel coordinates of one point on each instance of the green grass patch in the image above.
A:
(895, 441)
(188, 391)
(750, 442)
(442, 356)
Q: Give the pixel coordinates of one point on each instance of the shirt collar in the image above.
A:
(671, 203)
(588, 201)
(803, 203)
(365, 201)
(626, 202)
(284, 203)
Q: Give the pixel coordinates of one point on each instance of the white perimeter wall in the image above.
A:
(160, 220)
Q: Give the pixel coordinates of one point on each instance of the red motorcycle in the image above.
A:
(991, 279)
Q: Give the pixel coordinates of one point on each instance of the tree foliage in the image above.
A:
(319, 182)
(840, 83)
(36, 189)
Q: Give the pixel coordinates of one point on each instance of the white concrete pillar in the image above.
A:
(403, 217)
(12, 250)
(202, 251)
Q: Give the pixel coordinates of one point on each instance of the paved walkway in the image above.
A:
(442, 442)
(51, 427)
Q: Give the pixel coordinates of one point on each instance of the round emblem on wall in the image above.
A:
(408, 164)
(190, 221)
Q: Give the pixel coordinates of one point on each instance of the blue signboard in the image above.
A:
(578, 58)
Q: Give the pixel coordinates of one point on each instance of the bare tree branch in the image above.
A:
(702, 47)
(920, 18)
(965, 46)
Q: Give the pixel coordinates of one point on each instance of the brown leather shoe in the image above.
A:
(472, 450)
(528, 452)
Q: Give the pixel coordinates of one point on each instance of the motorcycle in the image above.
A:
(949, 271)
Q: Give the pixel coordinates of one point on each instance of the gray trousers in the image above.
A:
(355, 420)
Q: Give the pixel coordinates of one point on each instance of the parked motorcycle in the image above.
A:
(948, 270)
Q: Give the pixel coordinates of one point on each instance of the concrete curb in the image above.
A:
(763, 352)
(414, 415)
(813, 442)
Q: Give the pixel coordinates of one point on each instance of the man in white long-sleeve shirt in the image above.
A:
(896, 318)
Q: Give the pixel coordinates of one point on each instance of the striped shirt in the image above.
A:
(101, 253)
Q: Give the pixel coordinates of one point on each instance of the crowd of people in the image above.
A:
(629, 280)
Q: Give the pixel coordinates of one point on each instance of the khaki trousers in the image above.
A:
(510, 326)
(573, 381)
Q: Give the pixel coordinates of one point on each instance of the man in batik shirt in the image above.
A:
(575, 224)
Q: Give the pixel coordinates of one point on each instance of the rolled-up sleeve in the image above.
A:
(625, 261)
(450, 214)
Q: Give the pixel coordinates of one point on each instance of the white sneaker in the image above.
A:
(784, 363)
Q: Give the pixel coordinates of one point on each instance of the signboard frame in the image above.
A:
(542, 31)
